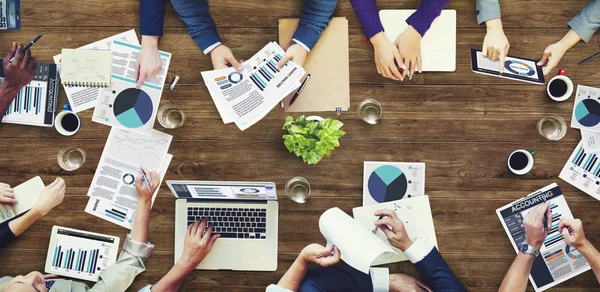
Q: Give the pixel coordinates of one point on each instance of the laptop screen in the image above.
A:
(223, 190)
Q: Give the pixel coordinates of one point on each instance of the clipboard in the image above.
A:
(328, 65)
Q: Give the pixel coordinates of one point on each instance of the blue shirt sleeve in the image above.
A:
(200, 25)
(6, 235)
(316, 15)
(152, 17)
(587, 22)
(437, 274)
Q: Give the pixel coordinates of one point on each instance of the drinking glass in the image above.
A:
(71, 158)
(170, 116)
(298, 189)
(552, 127)
(369, 111)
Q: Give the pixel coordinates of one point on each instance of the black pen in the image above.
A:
(375, 229)
(30, 44)
(589, 58)
(299, 89)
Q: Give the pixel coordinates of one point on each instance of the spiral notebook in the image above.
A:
(87, 68)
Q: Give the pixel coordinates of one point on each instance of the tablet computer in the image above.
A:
(514, 68)
(80, 254)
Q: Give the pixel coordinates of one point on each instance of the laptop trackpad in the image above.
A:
(226, 254)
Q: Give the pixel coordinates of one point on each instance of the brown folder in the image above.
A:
(328, 64)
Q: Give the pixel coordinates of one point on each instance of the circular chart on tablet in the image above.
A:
(587, 112)
(387, 183)
(133, 108)
(519, 68)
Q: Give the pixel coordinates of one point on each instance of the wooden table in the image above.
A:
(462, 125)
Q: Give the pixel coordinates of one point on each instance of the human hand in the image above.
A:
(495, 43)
(575, 237)
(409, 46)
(52, 195)
(320, 255)
(387, 57)
(394, 229)
(552, 55)
(535, 233)
(21, 70)
(7, 197)
(221, 57)
(149, 63)
(294, 53)
(406, 283)
(145, 193)
(197, 243)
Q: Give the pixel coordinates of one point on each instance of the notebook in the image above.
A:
(438, 46)
(329, 86)
(27, 194)
(87, 68)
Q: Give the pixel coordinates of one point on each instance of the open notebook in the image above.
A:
(27, 194)
(87, 68)
(438, 46)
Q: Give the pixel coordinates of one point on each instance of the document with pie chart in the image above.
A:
(124, 106)
(586, 110)
(391, 181)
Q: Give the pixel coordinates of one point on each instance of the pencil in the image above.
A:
(589, 58)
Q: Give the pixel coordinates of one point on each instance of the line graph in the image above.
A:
(144, 150)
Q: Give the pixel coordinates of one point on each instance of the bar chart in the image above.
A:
(582, 170)
(266, 71)
(81, 253)
(29, 105)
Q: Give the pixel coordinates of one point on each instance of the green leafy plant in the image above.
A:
(312, 139)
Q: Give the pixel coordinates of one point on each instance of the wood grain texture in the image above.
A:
(462, 125)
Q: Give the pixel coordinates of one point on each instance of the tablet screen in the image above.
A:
(80, 254)
(512, 66)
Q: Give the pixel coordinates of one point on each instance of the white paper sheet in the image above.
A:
(415, 214)
(115, 107)
(27, 195)
(591, 141)
(82, 98)
(358, 246)
(390, 181)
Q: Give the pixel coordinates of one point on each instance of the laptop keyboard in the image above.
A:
(244, 223)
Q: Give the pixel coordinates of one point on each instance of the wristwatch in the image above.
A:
(528, 249)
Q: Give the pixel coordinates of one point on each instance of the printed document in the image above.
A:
(113, 196)
(246, 97)
(557, 261)
(27, 195)
(415, 213)
(82, 98)
(359, 247)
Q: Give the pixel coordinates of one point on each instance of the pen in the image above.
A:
(145, 179)
(374, 231)
(30, 44)
(300, 89)
(589, 58)
(545, 222)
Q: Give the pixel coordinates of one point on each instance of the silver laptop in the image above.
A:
(246, 214)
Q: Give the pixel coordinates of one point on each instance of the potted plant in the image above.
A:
(312, 138)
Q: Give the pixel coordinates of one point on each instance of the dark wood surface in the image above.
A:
(463, 125)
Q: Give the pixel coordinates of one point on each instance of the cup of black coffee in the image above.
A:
(67, 123)
(520, 161)
(560, 88)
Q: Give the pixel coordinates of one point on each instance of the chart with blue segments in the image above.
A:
(519, 68)
(391, 181)
(133, 108)
(586, 109)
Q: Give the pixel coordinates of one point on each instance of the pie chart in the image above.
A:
(133, 108)
(387, 183)
(587, 113)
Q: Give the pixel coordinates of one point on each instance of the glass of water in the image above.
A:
(71, 158)
(170, 116)
(369, 111)
(552, 127)
(298, 189)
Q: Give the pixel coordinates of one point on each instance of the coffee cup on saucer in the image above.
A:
(520, 161)
(560, 87)
(67, 123)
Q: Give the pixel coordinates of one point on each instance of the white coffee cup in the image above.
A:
(522, 163)
(569, 91)
(59, 126)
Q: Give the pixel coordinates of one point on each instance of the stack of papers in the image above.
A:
(582, 170)
(113, 196)
(245, 97)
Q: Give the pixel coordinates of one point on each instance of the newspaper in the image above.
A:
(245, 97)
(113, 196)
(83, 98)
(557, 261)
